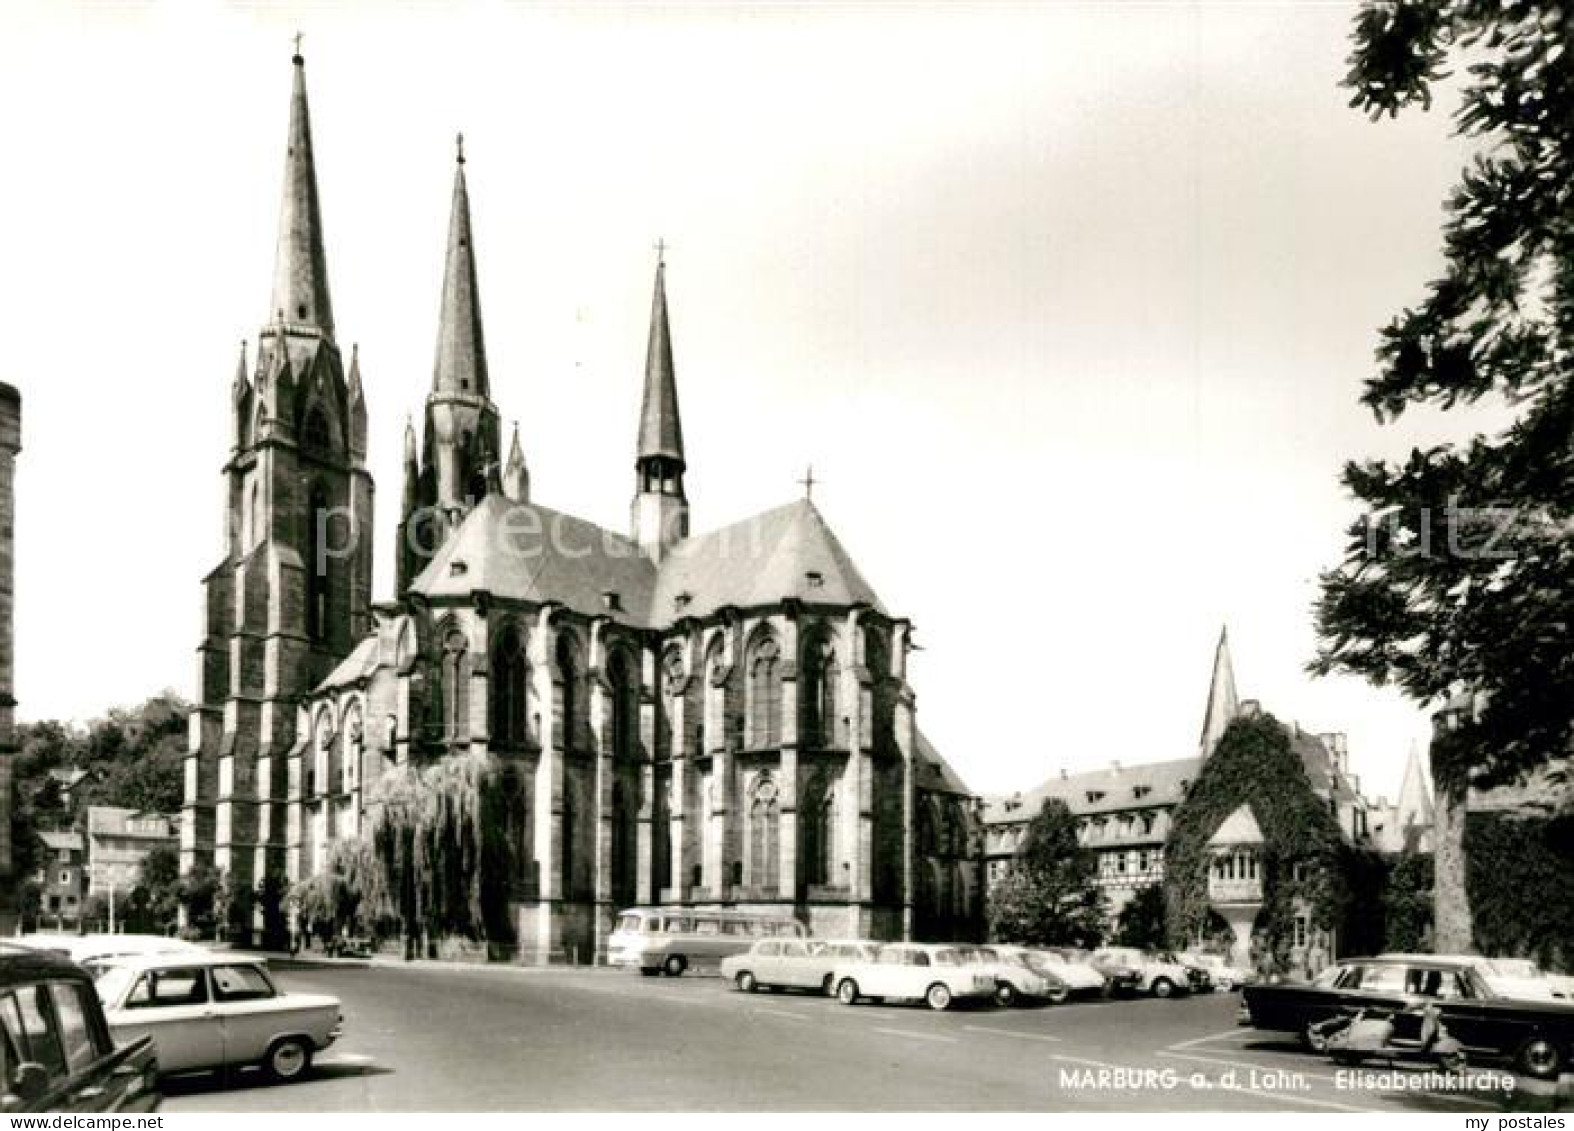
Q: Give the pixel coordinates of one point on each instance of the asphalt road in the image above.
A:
(433, 1038)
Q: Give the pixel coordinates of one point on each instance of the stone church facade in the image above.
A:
(717, 719)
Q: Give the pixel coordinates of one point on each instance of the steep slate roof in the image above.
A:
(1118, 787)
(461, 348)
(760, 561)
(529, 552)
(300, 271)
(660, 425)
(934, 772)
(359, 664)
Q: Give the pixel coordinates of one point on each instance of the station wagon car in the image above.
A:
(56, 1050)
(1538, 1036)
(217, 1011)
(935, 974)
(788, 963)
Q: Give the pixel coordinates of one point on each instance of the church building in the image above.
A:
(719, 719)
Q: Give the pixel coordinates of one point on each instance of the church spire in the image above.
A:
(1414, 807)
(300, 270)
(461, 351)
(660, 428)
(516, 476)
(1222, 703)
(660, 512)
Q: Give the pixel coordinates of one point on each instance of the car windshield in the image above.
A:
(112, 984)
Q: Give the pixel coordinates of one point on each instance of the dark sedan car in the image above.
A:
(1537, 1036)
(56, 1053)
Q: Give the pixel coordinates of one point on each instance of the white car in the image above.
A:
(223, 1011)
(1225, 977)
(1079, 977)
(97, 952)
(934, 973)
(1016, 979)
(1154, 976)
(804, 964)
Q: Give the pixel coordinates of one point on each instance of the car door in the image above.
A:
(794, 965)
(172, 1004)
(250, 1009)
(765, 962)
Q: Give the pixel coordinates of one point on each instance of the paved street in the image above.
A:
(443, 1038)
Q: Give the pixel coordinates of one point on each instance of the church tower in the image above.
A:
(461, 446)
(292, 596)
(660, 512)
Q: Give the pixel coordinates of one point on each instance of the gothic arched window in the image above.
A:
(510, 681)
(454, 690)
(316, 437)
(715, 693)
(765, 693)
(817, 845)
(572, 684)
(625, 706)
(317, 588)
(820, 677)
(761, 869)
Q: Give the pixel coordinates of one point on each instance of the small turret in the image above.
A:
(516, 476)
(357, 399)
(1223, 706)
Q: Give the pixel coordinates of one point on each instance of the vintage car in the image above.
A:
(1154, 975)
(1016, 977)
(56, 1050)
(1079, 975)
(1224, 976)
(96, 953)
(1537, 1036)
(217, 1011)
(935, 974)
(788, 963)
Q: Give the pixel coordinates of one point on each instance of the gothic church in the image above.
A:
(718, 719)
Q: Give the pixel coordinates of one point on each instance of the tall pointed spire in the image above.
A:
(516, 476)
(461, 350)
(1223, 705)
(1414, 807)
(300, 269)
(660, 428)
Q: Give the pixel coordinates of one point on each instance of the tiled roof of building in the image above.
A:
(65, 839)
(1109, 790)
(935, 773)
(526, 551)
(109, 820)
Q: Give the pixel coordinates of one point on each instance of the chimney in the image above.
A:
(1064, 773)
(1114, 766)
(1250, 708)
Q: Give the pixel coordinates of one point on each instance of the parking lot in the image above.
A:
(431, 1037)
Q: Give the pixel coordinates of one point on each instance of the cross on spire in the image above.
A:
(298, 37)
(459, 147)
(661, 252)
(807, 482)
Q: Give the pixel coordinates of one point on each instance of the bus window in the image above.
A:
(741, 927)
(707, 926)
(679, 925)
(630, 922)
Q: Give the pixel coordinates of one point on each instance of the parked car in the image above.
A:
(788, 963)
(1198, 979)
(56, 1049)
(1155, 976)
(935, 974)
(1116, 978)
(97, 952)
(1224, 976)
(1538, 1036)
(217, 1011)
(1016, 978)
(1079, 975)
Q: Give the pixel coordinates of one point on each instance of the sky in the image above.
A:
(1069, 306)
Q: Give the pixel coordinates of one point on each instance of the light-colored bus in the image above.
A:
(672, 940)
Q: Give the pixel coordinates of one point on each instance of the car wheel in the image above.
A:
(1059, 994)
(1005, 994)
(847, 992)
(675, 966)
(288, 1059)
(1540, 1058)
(938, 997)
(1162, 987)
(1313, 1037)
(746, 982)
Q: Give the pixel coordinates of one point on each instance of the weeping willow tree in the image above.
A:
(438, 845)
(350, 890)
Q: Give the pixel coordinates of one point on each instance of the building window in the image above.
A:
(715, 694)
(818, 689)
(1301, 930)
(818, 842)
(1095, 796)
(510, 681)
(763, 841)
(765, 693)
(454, 689)
(65, 876)
(625, 706)
(317, 518)
(572, 685)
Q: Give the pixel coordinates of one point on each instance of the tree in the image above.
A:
(1141, 923)
(1050, 895)
(154, 902)
(1457, 576)
(198, 892)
